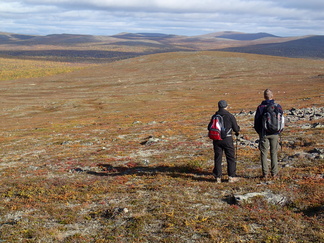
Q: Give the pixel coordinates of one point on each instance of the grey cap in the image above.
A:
(222, 104)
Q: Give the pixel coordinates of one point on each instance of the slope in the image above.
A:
(118, 152)
(308, 47)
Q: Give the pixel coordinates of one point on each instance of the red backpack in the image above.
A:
(216, 129)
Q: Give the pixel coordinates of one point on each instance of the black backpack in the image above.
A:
(216, 129)
(272, 119)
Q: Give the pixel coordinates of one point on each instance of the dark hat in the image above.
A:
(222, 104)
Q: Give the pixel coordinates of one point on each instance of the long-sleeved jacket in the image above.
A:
(229, 120)
(258, 115)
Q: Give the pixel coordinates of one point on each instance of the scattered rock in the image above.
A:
(146, 161)
(152, 123)
(113, 213)
(66, 143)
(268, 196)
(305, 114)
(150, 140)
(247, 142)
(317, 153)
(137, 122)
(77, 170)
(293, 115)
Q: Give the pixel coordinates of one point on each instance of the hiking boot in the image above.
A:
(233, 179)
(265, 177)
(218, 179)
(275, 177)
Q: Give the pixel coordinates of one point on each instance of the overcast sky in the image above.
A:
(182, 17)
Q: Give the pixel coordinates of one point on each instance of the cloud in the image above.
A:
(314, 5)
(185, 6)
(188, 17)
(169, 6)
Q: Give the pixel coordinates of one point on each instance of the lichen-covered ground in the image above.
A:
(119, 153)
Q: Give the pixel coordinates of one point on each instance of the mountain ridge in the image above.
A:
(148, 43)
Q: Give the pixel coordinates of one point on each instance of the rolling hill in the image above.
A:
(308, 47)
(87, 48)
(240, 36)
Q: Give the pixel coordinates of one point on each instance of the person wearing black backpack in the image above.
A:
(268, 123)
(225, 143)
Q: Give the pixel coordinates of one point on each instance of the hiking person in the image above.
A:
(269, 137)
(225, 143)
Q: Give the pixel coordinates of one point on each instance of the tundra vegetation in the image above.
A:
(118, 152)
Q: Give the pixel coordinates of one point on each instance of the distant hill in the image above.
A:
(308, 47)
(246, 37)
(55, 39)
(90, 48)
(232, 35)
(149, 36)
(8, 38)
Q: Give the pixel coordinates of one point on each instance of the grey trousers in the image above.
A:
(271, 141)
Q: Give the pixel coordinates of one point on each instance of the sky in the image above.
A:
(179, 17)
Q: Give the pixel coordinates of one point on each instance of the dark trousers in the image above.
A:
(227, 146)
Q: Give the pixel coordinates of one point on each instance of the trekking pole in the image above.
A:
(236, 149)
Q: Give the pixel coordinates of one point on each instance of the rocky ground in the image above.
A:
(119, 153)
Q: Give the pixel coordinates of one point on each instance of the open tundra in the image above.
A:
(119, 152)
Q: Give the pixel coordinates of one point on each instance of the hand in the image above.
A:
(237, 134)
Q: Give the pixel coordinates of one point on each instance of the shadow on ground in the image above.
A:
(172, 171)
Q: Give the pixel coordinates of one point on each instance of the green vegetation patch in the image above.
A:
(11, 69)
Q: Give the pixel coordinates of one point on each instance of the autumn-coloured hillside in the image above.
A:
(118, 152)
(99, 49)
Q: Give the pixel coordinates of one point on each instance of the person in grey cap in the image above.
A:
(225, 145)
